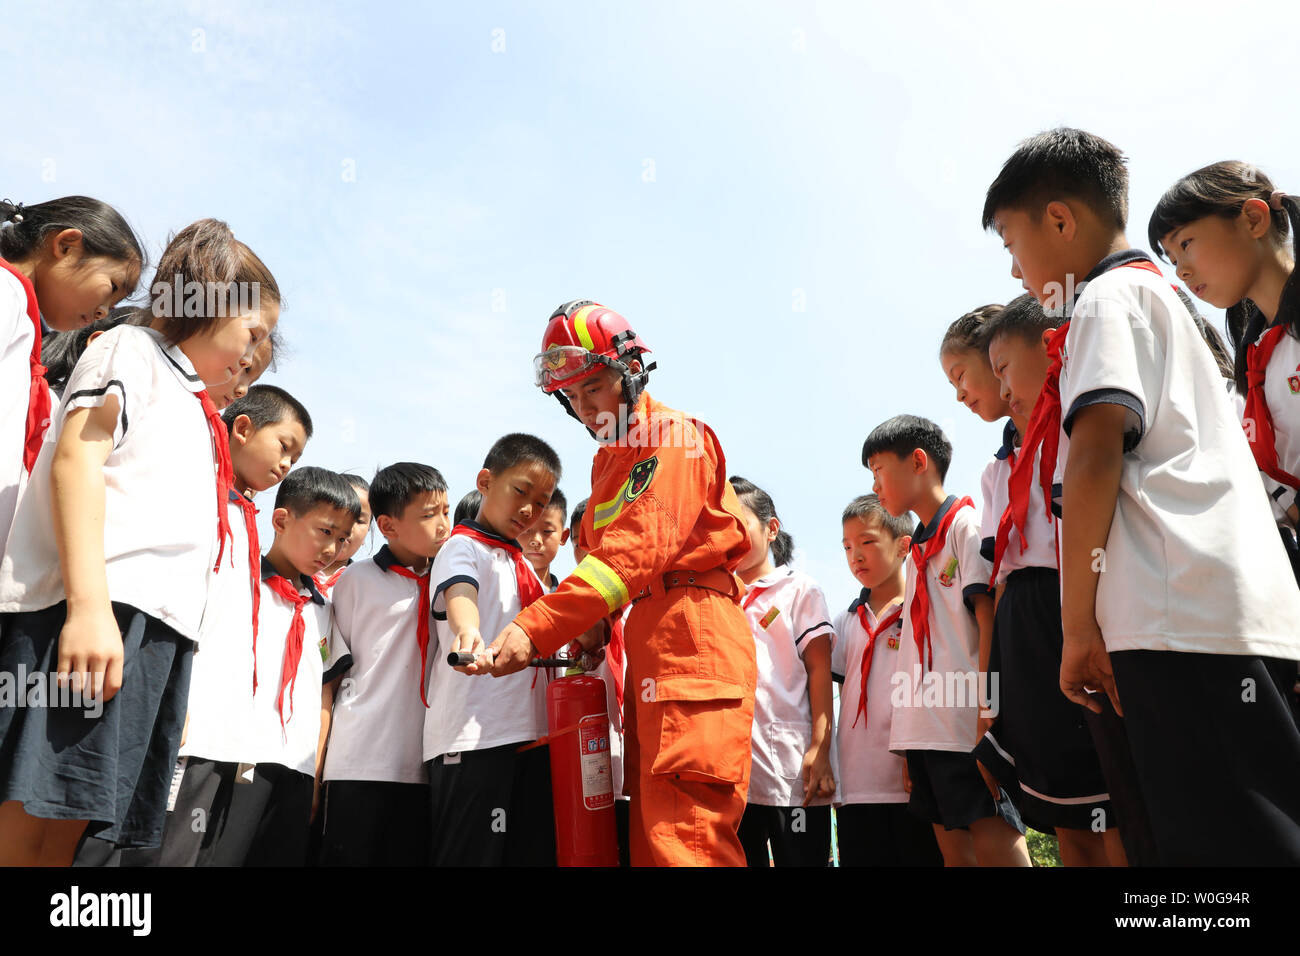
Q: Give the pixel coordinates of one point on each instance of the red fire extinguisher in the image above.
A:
(582, 781)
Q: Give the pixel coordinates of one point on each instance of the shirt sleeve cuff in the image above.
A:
(1135, 426)
(972, 591)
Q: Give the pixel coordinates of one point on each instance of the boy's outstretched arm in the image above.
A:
(1089, 493)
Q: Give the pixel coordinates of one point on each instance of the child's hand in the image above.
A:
(470, 641)
(90, 653)
(907, 778)
(1085, 664)
(818, 780)
(315, 800)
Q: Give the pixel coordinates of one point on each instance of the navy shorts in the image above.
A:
(1040, 749)
(948, 789)
(112, 768)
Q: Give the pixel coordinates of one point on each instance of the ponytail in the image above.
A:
(103, 230)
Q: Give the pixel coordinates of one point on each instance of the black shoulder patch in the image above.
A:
(638, 479)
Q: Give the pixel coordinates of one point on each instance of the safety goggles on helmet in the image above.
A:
(561, 365)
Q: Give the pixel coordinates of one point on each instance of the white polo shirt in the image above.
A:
(1040, 549)
(786, 611)
(868, 771)
(221, 677)
(294, 744)
(937, 708)
(17, 334)
(1193, 561)
(160, 503)
(378, 727)
(477, 712)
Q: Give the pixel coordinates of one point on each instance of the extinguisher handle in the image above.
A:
(550, 662)
(460, 659)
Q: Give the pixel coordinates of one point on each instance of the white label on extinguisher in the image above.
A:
(597, 779)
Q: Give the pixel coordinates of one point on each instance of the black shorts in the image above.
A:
(948, 789)
(798, 836)
(1217, 753)
(112, 768)
(1040, 748)
(492, 807)
(884, 834)
(375, 823)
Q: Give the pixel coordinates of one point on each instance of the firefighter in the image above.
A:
(663, 531)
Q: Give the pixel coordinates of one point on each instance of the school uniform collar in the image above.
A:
(1010, 441)
(385, 559)
(488, 532)
(235, 496)
(924, 532)
(554, 582)
(305, 581)
(862, 600)
(176, 360)
(1115, 260)
(767, 580)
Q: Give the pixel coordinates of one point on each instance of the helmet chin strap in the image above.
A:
(634, 384)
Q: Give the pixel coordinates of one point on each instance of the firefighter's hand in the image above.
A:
(513, 649)
(597, 636)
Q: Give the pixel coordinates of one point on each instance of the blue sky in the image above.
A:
(783, 198)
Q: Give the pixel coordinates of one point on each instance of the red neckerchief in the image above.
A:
(1044, 431)
(254, 564)
(1262, 440)
(38, 395)
(421, 617)
(883, 624)
(325, 585)
(921, 555)
(614, 654)
(526, 581)
(293, 644)
(225, 474)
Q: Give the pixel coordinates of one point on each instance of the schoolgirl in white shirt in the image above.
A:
(136, 476)
(63, 264)
(791, 781)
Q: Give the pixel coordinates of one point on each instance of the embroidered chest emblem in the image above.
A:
(1294, 382)
(949, 572)
(768, 618)
(638, 479)
(892, 643)
(324, 650)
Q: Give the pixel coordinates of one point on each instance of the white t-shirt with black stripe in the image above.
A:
(476, 712)
(786, 611)
(160, 498)
(1193, 561)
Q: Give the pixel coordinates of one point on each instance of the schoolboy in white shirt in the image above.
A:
(947, 632)
(269, 430)
(490, 799)
(873, 824)
(1177, 599)
(297, 667)
(376, 790)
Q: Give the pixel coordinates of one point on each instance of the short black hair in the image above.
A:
(575, 519)
(266, 405)
(1058, 164)
(395, 486)
(904, 434)
(868, 508)
(1023, 317)
(60, 351)
(467, 507)
(305, 488)
(356, 481)
(559, 501)
(517, 449)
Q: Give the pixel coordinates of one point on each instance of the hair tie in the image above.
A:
(15, 217)
(1275, 199)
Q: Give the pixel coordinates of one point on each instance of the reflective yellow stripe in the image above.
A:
(607, 511)
(580, 326)
(602, 577)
